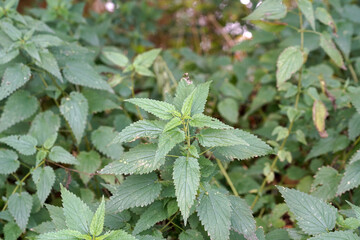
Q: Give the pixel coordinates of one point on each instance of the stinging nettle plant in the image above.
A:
(176, 146)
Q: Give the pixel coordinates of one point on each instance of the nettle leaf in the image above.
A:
(323, 16)
(8, 55)
(190, 234)
(183, 90)
(187, 105)
(325, 184)
(20, 205)
(135, 191)
(97, 222)
(46, 40)
(100, 101)
(14, 77)
(78, 215)
(306, 8)
(155, 213)
(8, 161)
(139, 160)
(24, 144)
(354, 123)
(142, 128)
(49, 63)
(45, 124)
(351, 178)
(44, 179)
(11, 231)
(242, 220)
(173, 123)
(337, 235)
(143, 71)
(215, 137)
(288, 63)
(57, 216)
(74, 108)
(60, 155)
(214, 212)
(81, 73)
(269, 9)
(314, 216)
(146, 59)
(120, 234)
(10, 30)
(167, 141)
(200, 120)
(89, 163)
(102, 139)
(329, 47)
(18, 107)
(355, 100)
(343, 40)
(319, 114)
(256, 147)
(160, 109)
(200, 95)
(229, 109)
(186, 177)
(65, 234)
(356, 209)
(115, 57)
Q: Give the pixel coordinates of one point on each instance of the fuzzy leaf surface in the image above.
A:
(216, 137)
(351, 178)
(44, 179)
(24, 144)
(142, 128)
(8, 161)
(269, 9)
(242, 220)
(14, 77)
(160, 109)
(45, 124)
(288, 63)
(168, 141)
(337, 235)
(155, 213)
(200, 120)
(102, 139)
(20, 207)
(186, 177)
(60, 155)
(97, 222)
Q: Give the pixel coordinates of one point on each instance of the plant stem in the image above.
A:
(272, 167)
(228, 180)
(352, 71)
(170, 221)
(133, 94)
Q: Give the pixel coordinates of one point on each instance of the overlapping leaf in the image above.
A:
(14, 77)
(142, 128)
(102, 139)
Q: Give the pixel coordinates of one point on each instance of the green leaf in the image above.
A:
(187, 105)
(115, 57)
(200, 120)
(18, 107)
(100, 101)
(32, 50)
(344, 38)
(167, 141)
(190, 234)
(24, 144)
(135, 191)
(325, 184)
(20, 205)
(78, 216)
(269, 9)
(242, 220)
(10, 30)
(320, 114)
(306, 8)
(74, 108)
(155, 213)
(314, 216)
(323, 16)
(220, 138)
(8, 161)
(102, 139)
(6, 56)
(183, 90)
(146, 59)
(160, 109)
(97, 222)
(186, 175)
(11, 231)
(139, 160)
(214, 212)
(14, 77)
(60, 155)
(60, 235)
(173, 123)
(356, 209)
(120, 234)
(57, 216)
(49, 63)
(329, 47)
(44, 179)
(46, 40)
(229, 109)
(337, 235)
(351, 178)
(143, 71)
(45, 124)
(81, 73)
(200, 95)
(354, 123)
(142, 128)
(288, 63)
(89, 163)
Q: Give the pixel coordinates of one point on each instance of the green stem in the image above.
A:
(228, 180)
(170, 221)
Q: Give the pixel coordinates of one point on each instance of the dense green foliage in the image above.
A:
(103, 135)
